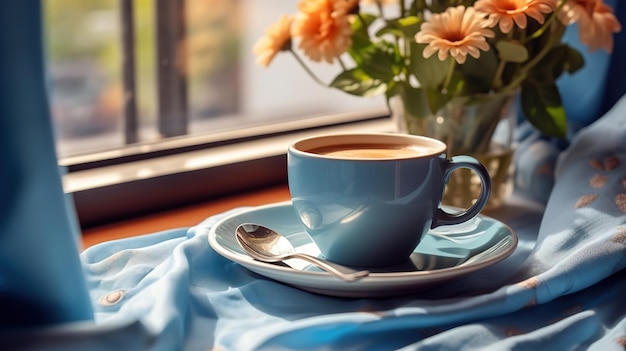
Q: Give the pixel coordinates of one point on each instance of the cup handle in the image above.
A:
(444, 218)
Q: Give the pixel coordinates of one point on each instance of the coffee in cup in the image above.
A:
(368, 199)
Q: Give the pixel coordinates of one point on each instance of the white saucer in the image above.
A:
(445, 254)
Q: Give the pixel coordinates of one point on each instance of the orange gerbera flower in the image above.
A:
(324, 31)
(575, 10)
(596, 22)
(458, 31)
(277, 38)
(507, 12)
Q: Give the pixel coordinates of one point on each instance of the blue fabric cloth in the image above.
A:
(562, 289)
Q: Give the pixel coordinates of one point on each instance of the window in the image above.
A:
(159, 103)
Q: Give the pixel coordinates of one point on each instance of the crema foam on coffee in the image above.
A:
(374, 151)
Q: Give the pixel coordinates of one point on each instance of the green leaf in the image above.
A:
(414, 99)
(561, 58)
(437, 99)
(359, 48)
(410, 25)
(480, 73)
(389, 28)
(357, 82)
(439, 6)
(575, 60)
(512, 51)
(382, 61)
(361, 41)
(430, 72)
(401, 27)
(362, 22)
(417, 7)
(541, 103)
(360, 37)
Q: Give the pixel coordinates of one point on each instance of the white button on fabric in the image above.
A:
(111, 298)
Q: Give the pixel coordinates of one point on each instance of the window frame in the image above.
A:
(147, 178)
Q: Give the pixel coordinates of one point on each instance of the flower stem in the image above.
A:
(523, 72)
(380, 9)
(497, 78)
(539, 32)
(449, 74)
(343, 65)
(307, 69)
(363, 24)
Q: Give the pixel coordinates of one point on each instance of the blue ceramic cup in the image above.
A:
(368, 199)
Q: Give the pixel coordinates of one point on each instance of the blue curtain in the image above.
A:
(593, 90)
(41, 279)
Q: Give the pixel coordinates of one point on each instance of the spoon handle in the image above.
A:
(343, 272)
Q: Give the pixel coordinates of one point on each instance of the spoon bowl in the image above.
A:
(264, 244)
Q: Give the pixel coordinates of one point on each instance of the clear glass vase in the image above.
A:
(481, 127)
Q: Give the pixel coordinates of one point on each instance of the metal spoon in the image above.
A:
(264, 244)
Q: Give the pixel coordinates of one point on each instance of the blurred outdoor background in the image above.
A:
(217, 85)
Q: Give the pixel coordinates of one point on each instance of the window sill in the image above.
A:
(121, 191)
(182, 217)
